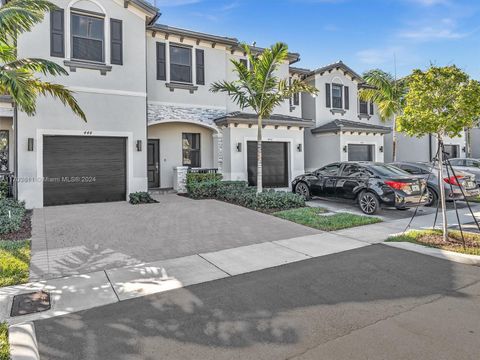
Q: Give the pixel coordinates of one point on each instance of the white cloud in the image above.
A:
(379, 56)
(444, 29)
(430, 2)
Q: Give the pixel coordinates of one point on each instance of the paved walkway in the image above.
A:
(79, 239)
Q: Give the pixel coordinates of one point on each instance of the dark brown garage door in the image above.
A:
(274, 162)
(80, 169)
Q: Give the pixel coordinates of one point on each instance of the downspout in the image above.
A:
(430, 154)
(15, 153)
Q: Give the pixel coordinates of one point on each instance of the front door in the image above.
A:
(153, 166)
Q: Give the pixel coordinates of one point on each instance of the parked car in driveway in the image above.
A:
(372, 185)
(468, 165)
(453, 186)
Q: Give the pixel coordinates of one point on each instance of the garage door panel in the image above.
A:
(274, 163)
(84, 169)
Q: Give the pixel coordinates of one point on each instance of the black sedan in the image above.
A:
(371, 185)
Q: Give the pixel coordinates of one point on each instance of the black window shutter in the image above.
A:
(347, 98)
(116, 42)
(161, 68)
(371, 108)
(200, 64)
(328, 99)
(57, 33)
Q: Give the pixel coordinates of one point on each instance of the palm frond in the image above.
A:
(19, 16)
(45, 67)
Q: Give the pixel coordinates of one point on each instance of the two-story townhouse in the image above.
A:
(346, 128)
(189, 126)
(58, 158)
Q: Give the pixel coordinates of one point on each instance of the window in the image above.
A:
(472, 163)
(451, 151)
(414, 170)
(200, 63)
(329, 170)
(161, 70)
(337, 98)
(180, 64)
(296, 99)
(87, 37)
(191, 150)
(244, 62)
(363, 107)
(4, 150)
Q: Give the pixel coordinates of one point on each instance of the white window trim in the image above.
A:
(68, 32)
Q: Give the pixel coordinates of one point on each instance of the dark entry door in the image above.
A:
(79, 169)
(153, 167)
(274, 162)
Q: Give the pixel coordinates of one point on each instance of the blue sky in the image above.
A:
(364, 34)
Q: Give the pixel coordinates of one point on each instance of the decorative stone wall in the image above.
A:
(159, 112)
(180, 179)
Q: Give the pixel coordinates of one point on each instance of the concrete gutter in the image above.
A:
(438, 253)
(23, 342)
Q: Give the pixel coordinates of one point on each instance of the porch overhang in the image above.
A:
(274, 120)
(341, 125)
(6, 106)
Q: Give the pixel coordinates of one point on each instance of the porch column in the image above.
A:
(218, 151)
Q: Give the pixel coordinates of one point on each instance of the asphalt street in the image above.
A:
(370, 303)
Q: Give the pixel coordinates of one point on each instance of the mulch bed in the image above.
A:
(453, 240)
(25, 231)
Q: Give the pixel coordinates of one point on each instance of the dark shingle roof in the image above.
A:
(337, 65)
(348, 125)
(275, 119)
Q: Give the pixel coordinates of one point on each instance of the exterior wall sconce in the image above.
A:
(30, 144)
(239, 147)
(299, 147)
(345, 149)
(139, 145)
(381, 149)
(464, 149)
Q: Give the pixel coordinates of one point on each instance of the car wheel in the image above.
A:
(432, 197)
(302, 189)
(368, 202)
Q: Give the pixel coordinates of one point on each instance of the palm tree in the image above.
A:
(259, 88)
(19, 77)
(388, 94)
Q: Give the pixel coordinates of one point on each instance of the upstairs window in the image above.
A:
(337, 96)
(363, 107)
(180, 64)
(88, 37)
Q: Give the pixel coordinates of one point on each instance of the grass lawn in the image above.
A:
(4, 346)
(316, 218)
(14, 262)
(475, 200)
(433, 238)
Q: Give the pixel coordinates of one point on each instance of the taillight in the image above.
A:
(397, 185)
(453, 180)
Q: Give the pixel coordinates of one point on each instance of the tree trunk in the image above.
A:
(441, 186)
(259, 157)
(394, 138)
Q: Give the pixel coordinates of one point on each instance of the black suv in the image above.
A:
(370, 184)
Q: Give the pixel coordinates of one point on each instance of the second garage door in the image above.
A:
(274, 162)
(80, 169)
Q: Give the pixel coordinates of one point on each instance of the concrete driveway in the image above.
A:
(76, 239)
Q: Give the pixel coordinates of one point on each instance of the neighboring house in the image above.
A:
(190, 126)
(425, 148)
(475, 143)
(346, 128)
(145, 91)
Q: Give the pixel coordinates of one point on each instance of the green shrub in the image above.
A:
(141, 197)
(12, 213)
(273, 200)
(193, 178)
(3, 189)
(4, 344)
(203, 190)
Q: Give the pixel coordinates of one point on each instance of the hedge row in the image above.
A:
(237, 192)
(11, 215)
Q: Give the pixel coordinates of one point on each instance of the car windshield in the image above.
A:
(388, 170)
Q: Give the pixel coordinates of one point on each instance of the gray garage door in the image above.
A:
(361, 152)
(274, 162)
(80, 169)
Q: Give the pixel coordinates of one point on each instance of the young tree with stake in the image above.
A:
(442, 101)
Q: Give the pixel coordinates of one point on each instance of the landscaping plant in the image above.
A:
(388, 93)
(141, 197)
(442, 101)
(19, 77)
(12, 213)
(4, 345)
(258, 88)
(194, 177)
(14, 262)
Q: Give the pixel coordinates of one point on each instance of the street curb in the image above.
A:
(23, 342)
(438, 253)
